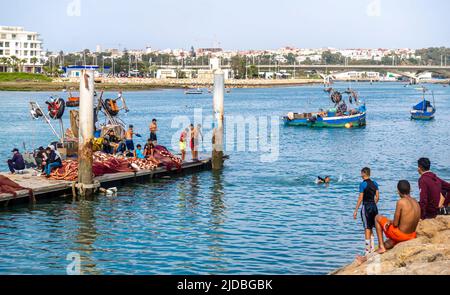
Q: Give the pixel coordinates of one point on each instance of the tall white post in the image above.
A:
(86, 133)
(219, 90)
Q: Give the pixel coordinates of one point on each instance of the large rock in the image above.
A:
(429, 254)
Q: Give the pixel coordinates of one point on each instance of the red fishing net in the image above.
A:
(7, 186)
(108, 164)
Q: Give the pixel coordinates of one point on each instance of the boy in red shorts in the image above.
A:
(406, 219)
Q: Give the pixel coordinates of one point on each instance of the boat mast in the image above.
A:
(434, 102)
(424, 102)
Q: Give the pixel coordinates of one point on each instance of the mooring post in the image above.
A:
(86, 134)
(217, 144)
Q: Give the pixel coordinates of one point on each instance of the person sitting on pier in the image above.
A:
(138, 153)
(110, 142)
(406, 219)
(106, 146)
(149, 148)
(16, 163)
(40, 157)
(53, 160)
(121, 148)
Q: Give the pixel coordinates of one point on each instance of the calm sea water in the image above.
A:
(250, 218)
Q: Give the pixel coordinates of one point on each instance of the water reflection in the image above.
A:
(217, 219)
(86, 237)
(217, 202)
(194, 195)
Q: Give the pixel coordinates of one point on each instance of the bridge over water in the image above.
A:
(416, 68)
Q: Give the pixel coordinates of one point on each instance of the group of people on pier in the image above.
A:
(112, 144)
(46, 159)
(434, 200)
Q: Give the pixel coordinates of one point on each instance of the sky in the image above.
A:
(71, 25)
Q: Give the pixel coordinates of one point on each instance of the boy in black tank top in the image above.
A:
(368, 198)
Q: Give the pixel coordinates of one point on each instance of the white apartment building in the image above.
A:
(25, 45)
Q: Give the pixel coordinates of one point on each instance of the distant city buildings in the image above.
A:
(20, 50)
(284, 55)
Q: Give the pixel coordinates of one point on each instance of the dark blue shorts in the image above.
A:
(368, 213)
(130, 145)
(153, 136)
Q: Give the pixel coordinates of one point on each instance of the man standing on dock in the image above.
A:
(129, 138)
(153, 129)
(431, 188)
(17, 162)
(196, 133)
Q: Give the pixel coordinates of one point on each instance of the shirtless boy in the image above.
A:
(406, 219)
(153, 130)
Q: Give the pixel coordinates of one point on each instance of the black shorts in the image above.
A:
(153, 136)
(368, 213)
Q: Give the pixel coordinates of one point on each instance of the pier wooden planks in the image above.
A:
(41, 185)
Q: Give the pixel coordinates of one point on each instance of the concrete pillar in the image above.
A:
(219, 90)
(86, 134)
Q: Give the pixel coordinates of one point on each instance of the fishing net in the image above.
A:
(109, 164)
(7, 186)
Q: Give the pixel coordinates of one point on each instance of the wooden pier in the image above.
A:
(45, 188)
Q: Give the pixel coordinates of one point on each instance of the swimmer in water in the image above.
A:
(321, 180)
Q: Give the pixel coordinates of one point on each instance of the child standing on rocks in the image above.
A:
(369, 195)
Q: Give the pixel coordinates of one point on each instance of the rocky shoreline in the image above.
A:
(429, 254)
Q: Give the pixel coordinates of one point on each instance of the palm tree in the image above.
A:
(22, 62)
(4, 61)
(14, 60)
(34, 60)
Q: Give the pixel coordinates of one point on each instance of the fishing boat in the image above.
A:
(194, 91)
(424, 110)
(72, 100)
(106, 117)
(338, 117)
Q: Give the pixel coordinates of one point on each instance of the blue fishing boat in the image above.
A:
(338, 117)
(424, 110)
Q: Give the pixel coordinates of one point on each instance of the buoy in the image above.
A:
(348, 125)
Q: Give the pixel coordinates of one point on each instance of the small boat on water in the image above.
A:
(72, 101)
(424, 110)
(338, 117)
(194, 91)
